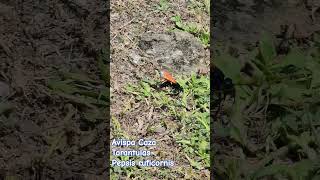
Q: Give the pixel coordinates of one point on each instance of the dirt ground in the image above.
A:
(130, 21)
(43, 134)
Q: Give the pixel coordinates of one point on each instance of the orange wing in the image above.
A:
(167, 76)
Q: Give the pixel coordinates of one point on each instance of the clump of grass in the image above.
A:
(199, 30)
(282, 93)
(195, 132)
(189, 109)
(200, 5)
(85, 97)
(163, 5)
(83, 92)
(202, 33)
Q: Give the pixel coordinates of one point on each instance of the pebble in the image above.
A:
(136, 59)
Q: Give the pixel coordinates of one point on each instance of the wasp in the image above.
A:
(169, 80)
(167, 77)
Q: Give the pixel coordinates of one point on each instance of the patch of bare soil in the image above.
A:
(43, 135)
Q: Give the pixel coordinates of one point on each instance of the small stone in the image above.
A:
(136, 59)
(178, 52)
(160, 129)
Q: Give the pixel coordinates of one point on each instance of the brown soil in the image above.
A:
(38, 41)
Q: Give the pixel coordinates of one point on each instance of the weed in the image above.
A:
(163, 5)
(200, 32)
(281, 93)
(81, 91)
(200, 5)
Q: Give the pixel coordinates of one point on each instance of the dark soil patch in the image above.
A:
(38, 41)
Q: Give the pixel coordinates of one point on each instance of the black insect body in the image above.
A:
(176, 87)
(222, 87)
